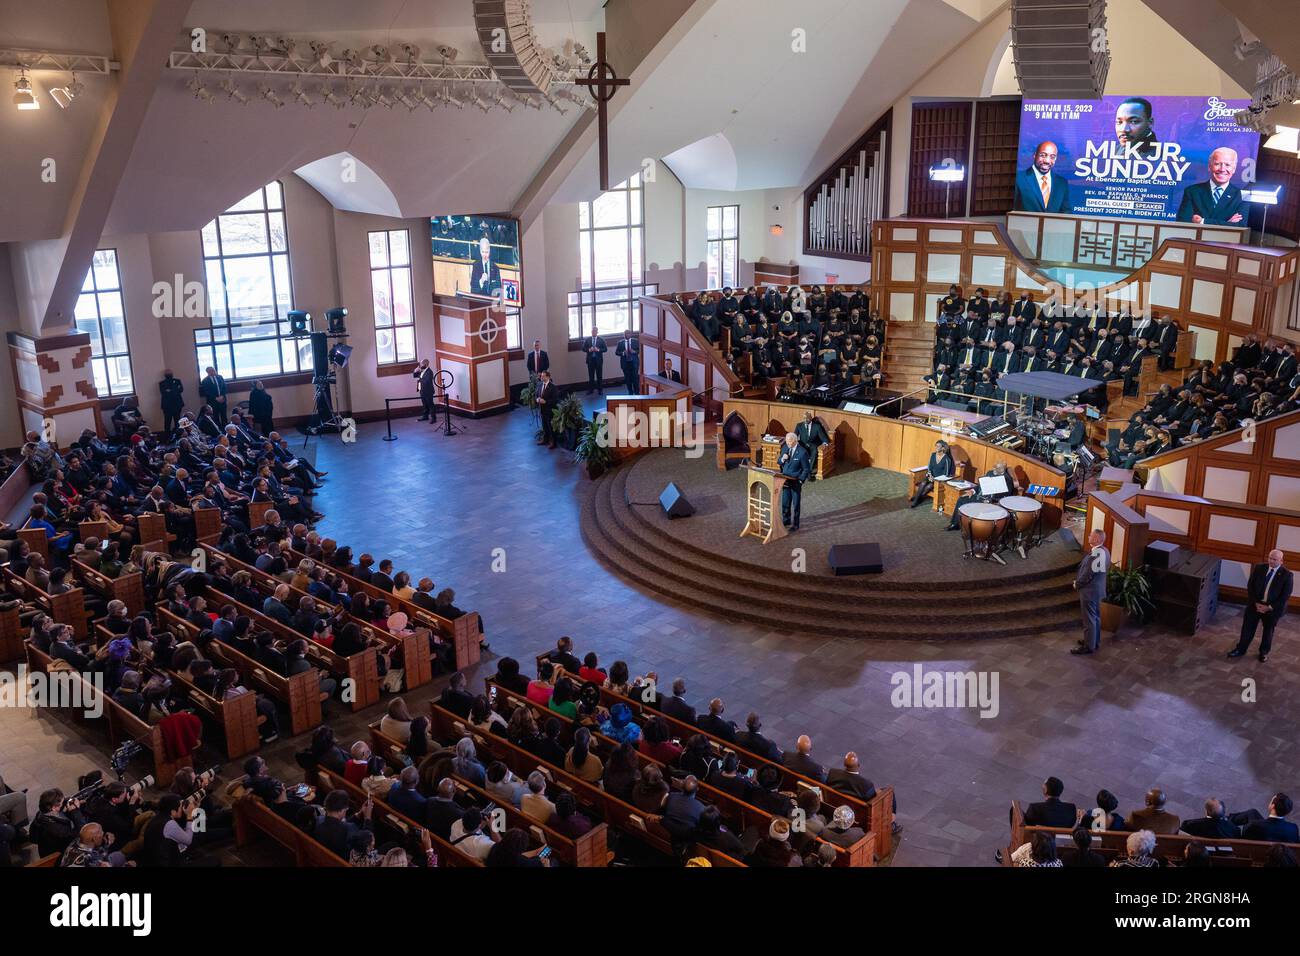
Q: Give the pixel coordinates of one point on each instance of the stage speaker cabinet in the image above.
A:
(1054, 46)
(320, 353)
(1165, 555)
(674, 502)
(1187, 595)
(864, 558)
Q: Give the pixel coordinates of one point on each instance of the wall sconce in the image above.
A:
(777, 229)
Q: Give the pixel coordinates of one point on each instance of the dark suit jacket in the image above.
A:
(678, 708)
(1157, 821)
(804, 765)
(1279, 592)
(410, 802)
(597, 357)
(1211, 828)
(537, 363)
(717, 726)
(757, 743)
(1273, 829)
(1029, 197)
(854, 783)
(335, 834)
(674, 375)
(1052, 812)
(211, 389)
(424, 378)
(628, 355)
(1198, 200)
(476, 284)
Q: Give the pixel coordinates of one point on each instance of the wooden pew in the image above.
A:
(257, 512)
(299, 693)
(11, 634)
(127, 588)
(121, 724)
(36, 540)
(1169, 846)
(361, 668)
(235, 717)
(154, 535)
(462, 632)
(66, 608)
(737, 813)
(875, 815)
(207, 525)
(50, 861)
(588, 850)
(326, 780)
(251, 815)
(92, 529)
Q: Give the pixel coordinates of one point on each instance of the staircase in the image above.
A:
(632, 547)
(909, 353)
(1120, 412)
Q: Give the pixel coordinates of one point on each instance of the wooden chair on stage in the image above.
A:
(733, 441)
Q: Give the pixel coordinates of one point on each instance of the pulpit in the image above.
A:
(763, 504)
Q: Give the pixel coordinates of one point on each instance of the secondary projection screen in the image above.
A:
(478, 257)
(1173, 158)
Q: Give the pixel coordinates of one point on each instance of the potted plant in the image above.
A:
(1128, 598)
(593, 449)
(566, 419)
(527, 397)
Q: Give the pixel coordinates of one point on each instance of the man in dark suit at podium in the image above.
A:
(1038, 189)
(423, 376)
(1267, 593)
(795, 464)
(1215, 202)
(485, 279)
(595, 348)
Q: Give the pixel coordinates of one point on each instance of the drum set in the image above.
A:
(1014, 522)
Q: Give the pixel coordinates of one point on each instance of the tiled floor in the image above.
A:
(1152, 708)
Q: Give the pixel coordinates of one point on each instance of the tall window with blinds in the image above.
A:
(723, 230)
(246, 261)
(390, 295)
(101, 315)
(611, 253)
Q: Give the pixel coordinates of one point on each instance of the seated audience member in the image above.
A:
(1107, 803)
(1153, 816)
(800, 759)
(508, 676)
(397, 722)
(1140, 847)
(752, 740)
(1196, 855)
(843, 830)
(1084, 854)
(567, 820)
(404, 796)
(774, 848)
(1215, 823)
(455, 698)
(512, 851)
(656, 742)
(1051, 811)
(714, 724)
(1039, 851)
(1276, 827)
(580, 761)
(467, 835)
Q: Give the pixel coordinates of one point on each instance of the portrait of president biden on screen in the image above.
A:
(1215, 202)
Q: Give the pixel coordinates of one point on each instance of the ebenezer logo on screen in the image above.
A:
(1156, 162)
(76, 909)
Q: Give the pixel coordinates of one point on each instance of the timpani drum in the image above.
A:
(1025, 514)
(983, 526)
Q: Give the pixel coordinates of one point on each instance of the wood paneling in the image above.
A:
(939, 131)
(993, 169)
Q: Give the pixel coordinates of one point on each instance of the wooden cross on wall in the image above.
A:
(603, 83)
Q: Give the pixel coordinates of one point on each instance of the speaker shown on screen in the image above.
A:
(674, 502)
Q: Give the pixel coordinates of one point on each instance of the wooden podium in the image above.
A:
(763, 496)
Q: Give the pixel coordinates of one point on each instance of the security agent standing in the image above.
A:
(1090, 582)
(423, 375)
(548, 396)
(595, 348)
(629, 358)
(172, 392)
(812, 435)
(1267, 594)
(796, 466)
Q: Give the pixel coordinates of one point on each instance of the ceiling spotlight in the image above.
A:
(24, 96)
(195, 86)
(300, 95)
(320, 51)
(64, 95)
(232, 92)
(230, 41)
(285, 46)
(412, 53)
(448, 53)
(260, 43)
(357, 94)
(450, 97)
(270, 96)
(382, 53)
(352, 58)
(387, 98)
(333, 99)
(530, 101)
(406, 100)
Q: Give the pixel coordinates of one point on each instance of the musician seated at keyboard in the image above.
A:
(940, 468)
(999, 470)
(1070, 430)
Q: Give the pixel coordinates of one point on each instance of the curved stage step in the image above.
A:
(632, 547)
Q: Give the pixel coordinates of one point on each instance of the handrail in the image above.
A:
(701, 343)
(1173, 454)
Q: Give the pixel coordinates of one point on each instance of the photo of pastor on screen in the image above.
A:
(1215, 202)
(1038, 189)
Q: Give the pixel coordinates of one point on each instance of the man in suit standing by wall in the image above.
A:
(213, 390)
(423, 376)
(1038, 189)
(1090, 582)
(171, 391)
(1267, 593)
(629, 359)
(595, 348)
(548, 396)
